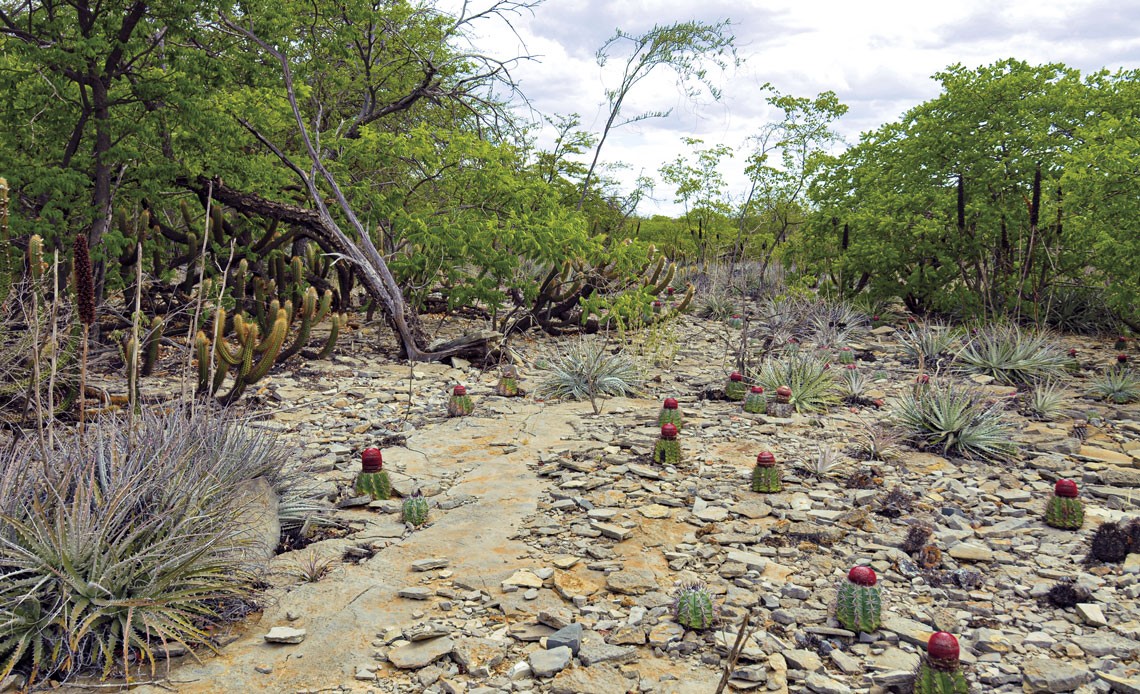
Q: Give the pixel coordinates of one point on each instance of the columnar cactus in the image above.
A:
(373, 479)
(670, 414)
(766, 476)
(668, 448)
(415, 510)
(693, 608)
(846, 355)
(755, 402)
(938, 672)
(781, 405)
(735, 389)
(459, 404)
(859, 603)
(508, 385)
(1065, 509)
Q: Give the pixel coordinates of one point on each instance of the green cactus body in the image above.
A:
(736, 322)
(858, 607)
(415, 510)
(1065, 513)
(693, 608)
(735, 390)
(766, 476)
(667, 452)
(507, 387)
(931, 680)
(374, 484)
(670, 414)
(756, 402)
(460, 403)
(846, 356)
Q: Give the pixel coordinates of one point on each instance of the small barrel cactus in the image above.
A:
(1065, 509)
(693, 608)
(1122, 359)
(670, 414)
(735, 390)
(766, 475)
(373, 479)
(736, 322)
(459, 404)
(938, 672)
(846, 355)
(668, 448)
(755, 402)
(781, 405)
(1121, 342)
(415, 510)
(508, 385)
(859, 603)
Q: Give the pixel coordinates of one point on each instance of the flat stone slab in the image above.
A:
(420, 654)
(285, 635)
(1052, 675)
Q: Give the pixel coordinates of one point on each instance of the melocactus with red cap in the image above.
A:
(755, 402)
(766, 476)
(670, 413)
(1065, 510)
(668, 448)
(460, 403)
(858, 602)
(939, 671)
(372, 479)
(735, 389)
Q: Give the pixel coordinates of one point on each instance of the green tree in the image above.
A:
(702, 191)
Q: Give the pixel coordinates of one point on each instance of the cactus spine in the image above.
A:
(373, 478)
(939, 671)
(460, 403)
(415, 510)
(670, 414)
(766, 476)
(755, 402)
(1065, 509)
(858, 605)
(735, 389)
(668, 448)
(693, 607)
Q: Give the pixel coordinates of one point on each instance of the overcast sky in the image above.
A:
(876, 55)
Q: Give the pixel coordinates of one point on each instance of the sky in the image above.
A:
(876, 55)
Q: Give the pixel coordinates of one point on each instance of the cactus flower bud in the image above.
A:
(1066, 489)
(670, 403)
(765, 459)
(669, 432)
(862, 576)
(371, 460)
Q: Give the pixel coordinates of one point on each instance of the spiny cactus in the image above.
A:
(858, 605)
(736, 322)
(939, 672)
(735, 389)
(755, 402)
(1121, 342)
(415, 510)
(781, 405)
(508, 385)
(1110, 544)
(670, 414)
(846, 355)
(693, 607)
(668, 448)
(242, 358)
(1065, 509)
(766, 476)
(373, 478)
(460, 403)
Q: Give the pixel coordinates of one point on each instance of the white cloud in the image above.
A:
(876, 55)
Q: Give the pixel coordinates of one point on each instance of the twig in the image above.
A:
(743, 633)
(190, 333)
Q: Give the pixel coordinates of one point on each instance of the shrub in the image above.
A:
(877, 442)
(811, 381)
(126, 541)
(1014, 356)
(955, 420)
(1044, 401)
(716, 304)
(1118, 384)
(930, 343)
(587, 371)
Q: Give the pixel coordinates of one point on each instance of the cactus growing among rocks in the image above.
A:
(508, 385)
(735, 389)
(736, 322)
(373, 479)
(1065, 509)
(939, 672)
(415, 510)
(781, 405)
(670, 414)
(693, 607)
(858, 604)
(1110, 544)
(755, 402)
(668, 448)
(846, 355)
(766, 476)
(1121, 342)
(459, 404)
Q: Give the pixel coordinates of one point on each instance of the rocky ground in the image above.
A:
(555, 544)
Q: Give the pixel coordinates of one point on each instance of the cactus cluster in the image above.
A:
(735, 390)
(939, 671)
(693, 607)
(373, 479)
(755, 402)
(766, 476)
(508, 385)
(667, 451)
(1065, 509)
(858, 604)
(460, 403)
(670, 414)
(415, 510)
